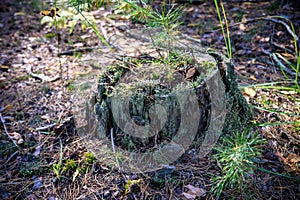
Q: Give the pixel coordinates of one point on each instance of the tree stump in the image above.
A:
(148, 112)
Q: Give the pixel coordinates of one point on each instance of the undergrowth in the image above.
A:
(235, 155)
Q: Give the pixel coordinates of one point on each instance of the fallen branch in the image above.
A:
(42, 77)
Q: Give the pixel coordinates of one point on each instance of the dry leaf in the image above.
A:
(190, 73)
(293, 158)
(250, 92)
(242, 27)
(189, 196)
(253, 78)
(293, 161)
(3, 67)
(7, 107)
(16, 137)
(196, 191)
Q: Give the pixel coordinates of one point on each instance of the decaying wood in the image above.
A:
(239, 114)
(197, 90)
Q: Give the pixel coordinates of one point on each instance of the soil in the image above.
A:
(37, 105)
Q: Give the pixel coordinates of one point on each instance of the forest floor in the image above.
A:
(36, 105)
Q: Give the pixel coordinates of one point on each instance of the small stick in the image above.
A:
(2, 120)
(45, 127)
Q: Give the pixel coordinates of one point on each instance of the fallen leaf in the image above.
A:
(293, 158)
(190, 73)
(250, 92)
(46, 118)
(293, 161)
(189, 196)
(196, 191)
(242, 27)
(253, 77)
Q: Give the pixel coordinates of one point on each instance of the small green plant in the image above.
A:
(226, 33)
(57, 167)
(27, 169)
(69, 165)
(235, 158)
(87, 161)
(167, 20)
(130, 183)
(135, 14)
(7, 149)
(89, 158)
(79, 7)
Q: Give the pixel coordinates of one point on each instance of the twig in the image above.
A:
(274, 57)
(10, 157)
(5, 129)
(142, 6)
(45, 127)
(280, 47)
(42, 77)
(73, 51)
(286, 26)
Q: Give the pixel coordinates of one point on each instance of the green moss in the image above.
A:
(69, 165)
(89, 158)
(208, 65)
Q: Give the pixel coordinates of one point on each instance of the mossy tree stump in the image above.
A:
(147, 105)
